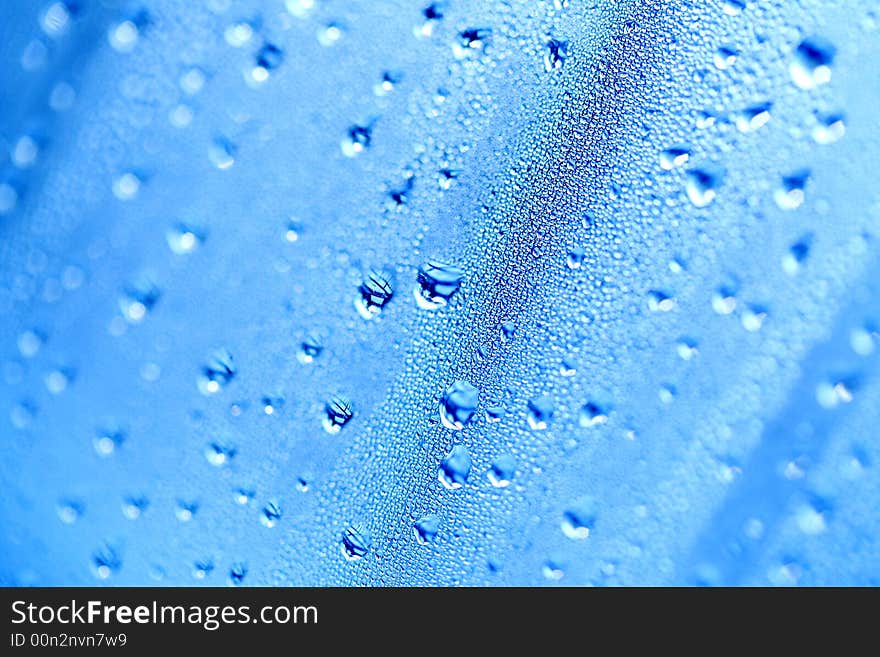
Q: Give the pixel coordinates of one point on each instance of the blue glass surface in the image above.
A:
(535, 292)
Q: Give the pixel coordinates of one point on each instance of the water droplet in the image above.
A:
(243, 496)
(300, 8)
(106, 561)
(357, 140)
(110, 438)
(124, 36)
(552, 570)
(216, 373)
(724, 301)
(437, 282)
(725, 57)
(375, 292)
(219, 454)
(192, 81)
(591, 414)
(56, 19)
(796, 255)
(702, 185)
(22, 414)
(138, 298)
(69, 511)
(239, 34)
(24, 153)
(674, 156)
(330, 34)
(790, 194)
(390, 79)
(426, 529)
(338, 412)
(29, 343)
(753, 117)
(222, 153)
(356, 541)
(862, 341)
(829, 129)
(183, 238)
(8, 198)
(433, 13)
(58, 380)
(271, 514)
(455, 468)
(810, 521)
(557, 52)
(578, 519)
(202, 568)
(126, 186)
(237, 573)
(753, 318)
(540, 412)
(502, 471)
(134, 506)
(811, 65)
(185, 510)
(309, 349)
(660, 302)
(733, 7)
(458, 405)
(470, 42)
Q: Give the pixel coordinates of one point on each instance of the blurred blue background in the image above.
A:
(555, 292)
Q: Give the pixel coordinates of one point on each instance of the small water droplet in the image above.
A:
(674, 156)
(309, 349)
(660, 302)
(202, 568)
(69, 511)
(790, 194)
(458, 405)
(356, 541)
(575, 257)
(357, 140)
(753, 318)
(796, 255)
(437, 281)
(502, 471)
(753, 117)
(579, 518)
(724, 300)
(185, 510)
(126, 186)
(425, 529)
(216, 373)
(540, 412)
(733, 7)
(338, 412)
(222, 153)
(725, 57)
(219, 454)
(455, 468)
(556, 54)
(702, 185)
(29, 342)
(183, 238)
(133, 506)
(390, 79)
(110, 438)
(811, 64)
(237, 573)
(139, 297)
(375, 291)
(330, 34)
(591, 415)
(271, 514)
(471, 42)
(829, 128)
(124, 36)
(106, 561)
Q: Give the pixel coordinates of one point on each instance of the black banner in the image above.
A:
(361, 620)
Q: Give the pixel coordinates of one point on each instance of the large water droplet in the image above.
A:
(554, 57)
(375, 292)
(455, 468)
(674, 156)
(356, 541)
(753, 117)
(437, 282)
(270, 514)
(338, 412)
(138, 298)
(458, 405)
(425, 529)
(309, 349)
(502, 471)
(471, 42)
(357, 140)
(183, 238)
(829, 128)
(811, 64)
